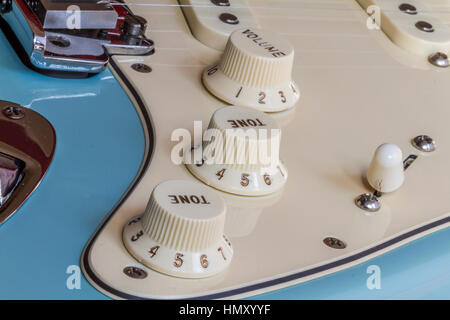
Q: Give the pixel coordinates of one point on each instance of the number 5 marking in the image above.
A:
(244, 179)
(178, 261)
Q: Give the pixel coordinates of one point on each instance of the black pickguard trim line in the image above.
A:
(233, 292)
(144, 166)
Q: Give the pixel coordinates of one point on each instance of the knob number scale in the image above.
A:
(235, 181)
(181, 231)
(255, 71)
(248, 175)
(176, 262)
(258, 97)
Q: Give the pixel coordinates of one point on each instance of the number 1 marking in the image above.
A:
(221, 251)
(239, 92)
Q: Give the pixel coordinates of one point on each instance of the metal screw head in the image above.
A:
(141, 67)
(368, 202)
(59, 41)
(221, 3)
(229, 18)
(135, 272)
(14, 112)
(5, 6)
(334, 243)
(408, 8)
(424, 26)
(439, 59)
(424, 143)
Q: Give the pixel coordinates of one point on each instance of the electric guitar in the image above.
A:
(224, 149)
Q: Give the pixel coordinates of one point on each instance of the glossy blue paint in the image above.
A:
(100, 145)
(99, 150)
(417, 270)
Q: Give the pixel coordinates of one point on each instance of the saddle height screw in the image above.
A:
(14, 112)
(221, 3)
(229, 18)
(141, 67)
(424, 26)
(408, 8)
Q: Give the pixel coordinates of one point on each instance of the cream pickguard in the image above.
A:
(360, 87)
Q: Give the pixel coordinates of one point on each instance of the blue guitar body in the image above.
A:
(100, 149)
(100, 144)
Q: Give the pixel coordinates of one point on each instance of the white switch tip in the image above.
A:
(386, 173)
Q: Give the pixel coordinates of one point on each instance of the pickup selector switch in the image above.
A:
(240, 153)
(386, 172)
(255, 71)
(181, 231)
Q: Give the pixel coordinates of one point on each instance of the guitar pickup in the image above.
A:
(11, 173)
(76, 37)
(413, 25)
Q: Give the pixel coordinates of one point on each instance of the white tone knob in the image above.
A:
(241, 153)
(181, 231)
(255, 71)
(386, 173)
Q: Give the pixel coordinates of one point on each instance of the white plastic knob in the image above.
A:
(181, 231)
(241, 153)
(386, 173)
(255, 71)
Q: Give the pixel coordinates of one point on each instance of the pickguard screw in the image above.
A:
(14, 112)
(141, 67)
(135, 272)
(439, 59)
(424, 26)
(424, 143)
(408, 8)
(334, 243)
(229, 18)
(368, 202)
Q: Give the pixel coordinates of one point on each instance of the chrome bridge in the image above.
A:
(59, 35)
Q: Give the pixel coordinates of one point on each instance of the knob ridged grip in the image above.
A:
(245, 133)
(257, 68)
(240, 153)
(255, 71)
(181, 231)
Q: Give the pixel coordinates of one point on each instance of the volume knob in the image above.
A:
(240, 153)
(181, 231)
(255, 71)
